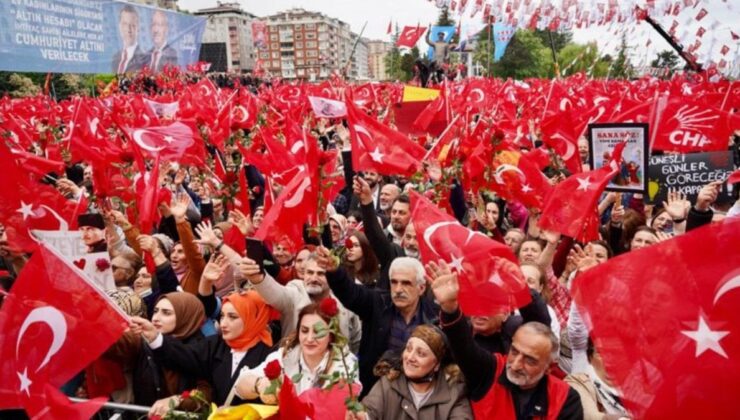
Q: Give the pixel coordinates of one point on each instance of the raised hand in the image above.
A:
(242, 222)
(148, 243)
(215, 269)
(325, 260)
(677, 205)
(708, 195)
(180, 206)
(250, 270)
(444, 285)
(144, 328)
(617, 214)
(206, 234)
(362, 189)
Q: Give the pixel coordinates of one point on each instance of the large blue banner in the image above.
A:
(94, 36)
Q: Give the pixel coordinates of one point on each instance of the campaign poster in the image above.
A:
(95, 36)
(688, 173)
(259, 35)
(68, 243)
(632, 175)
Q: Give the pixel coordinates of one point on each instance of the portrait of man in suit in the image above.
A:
(161, 54)
(130, 57)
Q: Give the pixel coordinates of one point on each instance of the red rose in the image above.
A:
(273, 370)
(329, 307)
(348, 243)
(185, 395)
(102, 264)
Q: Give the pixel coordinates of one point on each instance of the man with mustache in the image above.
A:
(513, 386)
(388, 317)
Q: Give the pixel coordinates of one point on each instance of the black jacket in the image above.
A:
(385, 250)
(209, 359)
(375, 309)
(479, 368)
(149, 381)
(500, 342)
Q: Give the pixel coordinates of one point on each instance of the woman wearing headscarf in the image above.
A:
(179, 316)
(244, 341)
(427, 386)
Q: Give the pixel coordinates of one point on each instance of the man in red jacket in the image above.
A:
(513, 386)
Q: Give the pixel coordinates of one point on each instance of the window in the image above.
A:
(274, 45)
(311, 44)
(265, 55)
(299, 45)
(310, 35)
(298, 27)
(299, 53)
(300, 62)
(275, 54)
(299, 36)
(310, 26)
(287, 53)
(273, 37)
(312, 54)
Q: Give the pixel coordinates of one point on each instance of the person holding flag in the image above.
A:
(510, 386)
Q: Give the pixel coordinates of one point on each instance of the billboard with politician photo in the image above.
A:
(95, 36)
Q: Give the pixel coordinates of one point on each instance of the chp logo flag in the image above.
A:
(53, 324)
(488, 272)
(664, 320)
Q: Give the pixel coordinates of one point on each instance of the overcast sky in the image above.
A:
(724, 15)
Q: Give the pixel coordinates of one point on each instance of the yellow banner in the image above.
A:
(417, 94)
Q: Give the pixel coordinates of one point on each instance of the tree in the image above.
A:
(576, 58)
(526, 56)
(21, 86)
(444, 18)
(666, 59)
(559, 39)
(621, 67)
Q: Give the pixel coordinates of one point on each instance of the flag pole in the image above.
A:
(354, 46)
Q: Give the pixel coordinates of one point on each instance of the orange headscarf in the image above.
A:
(255, 314)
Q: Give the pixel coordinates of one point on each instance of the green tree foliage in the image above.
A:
(444, 18)
(576, 58)
(525, 56)
(666, 59)
(18, 85)
(559, 39)
(621, 67)
(61, 86)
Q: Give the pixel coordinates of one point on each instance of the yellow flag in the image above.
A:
(417, 94)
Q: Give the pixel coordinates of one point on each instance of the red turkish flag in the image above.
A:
(283, 222)
(380, 148)
(488, 272)
(388, 31)
(517, 177)
(53, 324)
(29, 204)
(147, 194)
(410, 36)
(179, 141)
(558, 133)
(680, 356)
(16, 130)
(686, 125)
(571, 207)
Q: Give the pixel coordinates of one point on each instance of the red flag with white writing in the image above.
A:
(53, 324)
(680, 356)
(685, 125)
(490, 279)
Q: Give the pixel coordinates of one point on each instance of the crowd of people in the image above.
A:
(216, 309)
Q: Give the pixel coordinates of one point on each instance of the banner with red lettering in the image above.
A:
(603, 138)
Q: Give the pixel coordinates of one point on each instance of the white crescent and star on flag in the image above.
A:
(52, 317)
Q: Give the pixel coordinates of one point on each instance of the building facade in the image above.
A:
(229, 31)
(162, 4)
(311, 46)
(377, 52)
